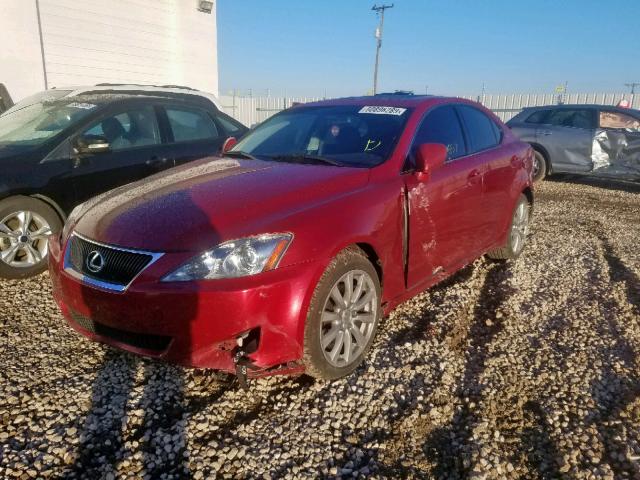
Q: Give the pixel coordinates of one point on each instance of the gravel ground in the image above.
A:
(520, 370)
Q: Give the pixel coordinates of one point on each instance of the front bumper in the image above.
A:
(192, 323)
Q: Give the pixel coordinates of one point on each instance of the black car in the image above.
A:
(584, 139)
(60, 148)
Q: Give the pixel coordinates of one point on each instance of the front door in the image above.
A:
(445, 211)
(567, 135)
(135, 152)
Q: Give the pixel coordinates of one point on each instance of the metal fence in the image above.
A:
(252, 110)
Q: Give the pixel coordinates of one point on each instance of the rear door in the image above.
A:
(567, 135)
(192, 132)
(136, 151)
(444, 210)
(501, 166)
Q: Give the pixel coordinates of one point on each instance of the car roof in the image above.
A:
(585, 106)
(386, 99)
(122, 90)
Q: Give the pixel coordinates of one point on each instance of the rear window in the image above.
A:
(618, 121)
(480, 129)
(188, 125)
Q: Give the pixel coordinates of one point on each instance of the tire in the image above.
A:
(539, 166)
(327, 316)
(25, 253)
(518, 231)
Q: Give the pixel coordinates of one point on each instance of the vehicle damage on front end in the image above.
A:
(187, 294)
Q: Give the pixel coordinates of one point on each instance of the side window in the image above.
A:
(133, 128)
(231, 126)
(565, 117)
(188, 125)
(442, 126)
(479, 127)
(537, 117)
(618, 121)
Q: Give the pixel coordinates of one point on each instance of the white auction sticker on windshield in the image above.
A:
(85, 106)
(382, 110)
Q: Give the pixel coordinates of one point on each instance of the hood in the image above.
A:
(203, 203)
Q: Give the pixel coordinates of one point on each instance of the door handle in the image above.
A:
(545, 132)
(474, 177)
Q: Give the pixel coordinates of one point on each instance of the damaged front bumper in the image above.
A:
(206, 324)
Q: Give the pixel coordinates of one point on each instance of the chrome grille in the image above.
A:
(119, 266)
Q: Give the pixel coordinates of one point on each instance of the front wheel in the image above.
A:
(25, 226)
(518, 232)
(343, 316)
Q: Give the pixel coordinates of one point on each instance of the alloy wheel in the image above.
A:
(520, 227)
(348, 318)
(23, 239)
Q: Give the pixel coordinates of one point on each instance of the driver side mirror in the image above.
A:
(91, 144)
(228, 144)
(429, 157)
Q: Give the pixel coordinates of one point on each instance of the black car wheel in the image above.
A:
(25, 227)
(343, 316)
(539, 166)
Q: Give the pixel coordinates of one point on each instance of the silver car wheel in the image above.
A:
(520, 227)
(348, 318)
(23, 239)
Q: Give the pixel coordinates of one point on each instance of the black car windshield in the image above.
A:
(351, 135)
(34, 124)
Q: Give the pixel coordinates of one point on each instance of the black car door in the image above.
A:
(192, 132)
(136, 151)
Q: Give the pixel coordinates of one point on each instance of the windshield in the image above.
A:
(354, 135)
(39, 97)
(34, 124)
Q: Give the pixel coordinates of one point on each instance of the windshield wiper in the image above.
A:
(303, 157)
(239, 154)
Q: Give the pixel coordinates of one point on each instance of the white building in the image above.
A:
(58, 43)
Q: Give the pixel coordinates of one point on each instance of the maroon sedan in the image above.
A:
(285, 255)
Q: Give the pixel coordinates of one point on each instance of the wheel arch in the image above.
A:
(545, 154)
(52, 203)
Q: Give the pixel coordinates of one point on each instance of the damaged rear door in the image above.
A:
(567, 134)
(616, 145)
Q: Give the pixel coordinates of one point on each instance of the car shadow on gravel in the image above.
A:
(599, 182)
(449, 447)
(140, 421)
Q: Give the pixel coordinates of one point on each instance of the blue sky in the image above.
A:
(309, 47)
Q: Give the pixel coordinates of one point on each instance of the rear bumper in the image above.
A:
(192, 323)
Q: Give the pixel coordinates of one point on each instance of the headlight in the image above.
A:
(237, 258)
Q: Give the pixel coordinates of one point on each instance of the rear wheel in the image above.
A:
(343, 316)
(518, 231)
(539, 166)
(25, 227)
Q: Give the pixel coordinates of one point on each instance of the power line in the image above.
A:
(380, 11)
(632, 86)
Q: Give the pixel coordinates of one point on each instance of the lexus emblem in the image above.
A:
(95, 261)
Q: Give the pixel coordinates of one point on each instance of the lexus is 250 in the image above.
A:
(285, 254)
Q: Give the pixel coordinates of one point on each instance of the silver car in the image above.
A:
(584, 139)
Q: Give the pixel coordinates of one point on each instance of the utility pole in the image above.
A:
(379, 11)
(632, 86)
